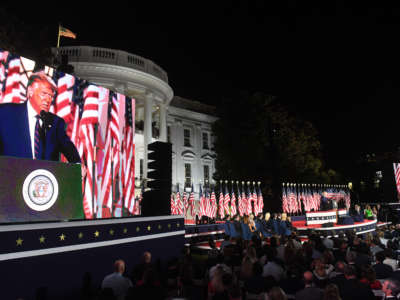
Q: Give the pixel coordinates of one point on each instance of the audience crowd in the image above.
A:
(274, 263)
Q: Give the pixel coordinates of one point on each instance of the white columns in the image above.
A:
(163, 122)
(147, 130)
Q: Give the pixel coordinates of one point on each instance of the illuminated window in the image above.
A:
(188, 175)
(205, 141)
(186, 138)
(141, 169)
(206, 170)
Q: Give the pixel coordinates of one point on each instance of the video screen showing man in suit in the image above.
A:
(29, 130)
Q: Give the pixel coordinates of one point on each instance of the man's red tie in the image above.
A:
(37, 137)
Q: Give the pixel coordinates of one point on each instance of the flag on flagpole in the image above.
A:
(227, 199)
(202, 203)
(260, 200)
(221, 203)
(62, 31)
(233, 203)
(191, 203)
(240, 202)
(213, 204)
(255, 200)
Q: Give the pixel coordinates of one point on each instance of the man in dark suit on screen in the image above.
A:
(28, 129)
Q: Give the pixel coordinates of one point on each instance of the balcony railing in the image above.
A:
(113, 57)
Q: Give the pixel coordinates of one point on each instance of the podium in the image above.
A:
(39, 190)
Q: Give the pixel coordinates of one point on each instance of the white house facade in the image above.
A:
(159, 116)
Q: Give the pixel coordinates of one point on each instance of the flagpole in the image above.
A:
(94, 179)
(58, 39)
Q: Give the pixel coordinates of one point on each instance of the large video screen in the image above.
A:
(48, 116)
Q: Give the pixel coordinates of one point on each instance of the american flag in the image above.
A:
(128, 157)
(213, 201)
(111, 155)
(396, 167)
(179, 204)
(191, 203)
(207, 202)
(244, 200)
(292, 200)
(249, 201)
(11, 79)
(185, 202)
(62, 105)
(90, 118)
(221, 203)
(240, 202)
(255, 200)
(285, 205)
(260, 200)
(173, 205)
(227, 199)
(233, 203)
(202, 202)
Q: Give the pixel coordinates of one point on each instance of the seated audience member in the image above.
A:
(368, 277)
(255, 283)
(272, 267)
(310, 291)
(331, 292)
(276, 293)
(352, 288)
(116, 281)
(149, 287)
(138, 271)
(320, 273)
(391, 288)
(382, 270)
(389, 259)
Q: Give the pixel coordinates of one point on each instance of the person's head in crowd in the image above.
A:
(273, 242)
(276, 293)
(284, 217)
(368, 273)
(388, 252)
(146, 258)
(308, 278)
(257, 269)
(41, 91)
(350, 272)
(267, 216)
(351, 257)
(374, 210)
(331, 292)
(340, 266)
(119, 266)
(391, 287)
(380, 256)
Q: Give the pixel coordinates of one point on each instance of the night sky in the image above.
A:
(336, 64)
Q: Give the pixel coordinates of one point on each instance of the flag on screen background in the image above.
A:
(90, 118)
(128, 157)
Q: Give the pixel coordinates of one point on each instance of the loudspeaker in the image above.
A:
(157, 201)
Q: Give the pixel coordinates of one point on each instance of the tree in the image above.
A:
(258, 139)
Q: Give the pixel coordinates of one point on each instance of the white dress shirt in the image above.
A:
(32, 123)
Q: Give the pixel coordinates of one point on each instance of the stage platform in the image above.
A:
(56, 255)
